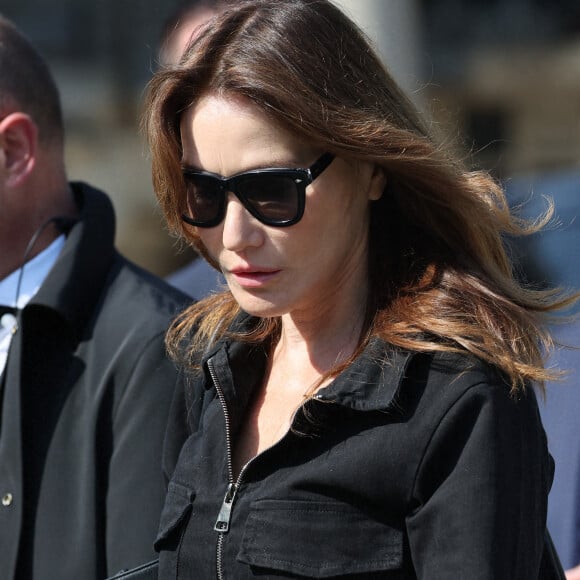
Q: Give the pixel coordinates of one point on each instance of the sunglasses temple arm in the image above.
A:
(321, 164)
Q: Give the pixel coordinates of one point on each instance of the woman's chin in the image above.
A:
(260, 306)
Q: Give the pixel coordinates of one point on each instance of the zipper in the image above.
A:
(222, 525)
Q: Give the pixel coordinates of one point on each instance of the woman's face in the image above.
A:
(305, 269)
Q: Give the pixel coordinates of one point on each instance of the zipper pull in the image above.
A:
(223, 520)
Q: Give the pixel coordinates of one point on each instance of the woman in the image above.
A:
(360, 400)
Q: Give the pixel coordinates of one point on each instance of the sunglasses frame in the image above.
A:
(301, 177)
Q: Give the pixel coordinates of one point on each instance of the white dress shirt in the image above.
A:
(31, 277)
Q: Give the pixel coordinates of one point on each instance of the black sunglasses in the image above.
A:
(275, 197)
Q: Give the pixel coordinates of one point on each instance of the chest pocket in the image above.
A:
(319, 540)
(174, 517)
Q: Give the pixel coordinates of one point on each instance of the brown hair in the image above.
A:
(440, 277)
(26, 84)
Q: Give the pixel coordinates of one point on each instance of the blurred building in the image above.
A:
(502, 82)
(506, 75)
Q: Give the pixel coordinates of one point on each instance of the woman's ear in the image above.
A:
(18, 147)
(377, 183)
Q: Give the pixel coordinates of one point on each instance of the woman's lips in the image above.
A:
(253, 278)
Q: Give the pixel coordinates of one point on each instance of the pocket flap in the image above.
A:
(318, 539)
(178, 505)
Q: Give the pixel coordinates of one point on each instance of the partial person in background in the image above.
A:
(361, 399)
(198, 278)
(551, 258)
(561, 417)
(85, 383)
(183, 24)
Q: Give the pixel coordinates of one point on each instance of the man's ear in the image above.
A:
(18, 147)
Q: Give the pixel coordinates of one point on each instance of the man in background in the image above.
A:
(85, 386)
(198, 278)
(183, 24)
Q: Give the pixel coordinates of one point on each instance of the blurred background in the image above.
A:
(499, 79)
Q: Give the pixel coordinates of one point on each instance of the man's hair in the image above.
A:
(26, 84)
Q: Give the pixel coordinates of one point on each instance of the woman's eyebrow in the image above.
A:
(288, 164)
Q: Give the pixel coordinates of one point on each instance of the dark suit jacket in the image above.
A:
(85, 398)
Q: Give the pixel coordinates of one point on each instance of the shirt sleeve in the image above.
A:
(481, 490)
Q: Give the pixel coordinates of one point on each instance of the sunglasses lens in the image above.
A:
(204, 198)
(275, 198)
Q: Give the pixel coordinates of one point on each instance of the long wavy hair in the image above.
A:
(440, 276)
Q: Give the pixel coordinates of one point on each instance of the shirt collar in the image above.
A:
(76, 281)
(21, 285)
(371, 383)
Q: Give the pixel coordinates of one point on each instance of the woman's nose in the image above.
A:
(241, 229)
